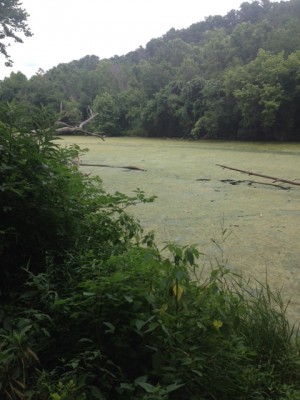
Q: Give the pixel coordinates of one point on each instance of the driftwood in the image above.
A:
(66, 129)
(274, 179)
(131, 167)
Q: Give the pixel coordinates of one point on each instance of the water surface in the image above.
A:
(196, 198)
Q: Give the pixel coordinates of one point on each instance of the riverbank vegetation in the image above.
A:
(227, 77)
(91, 309)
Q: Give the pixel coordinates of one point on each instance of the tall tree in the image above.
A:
(13, 22)
(107, 114)
(12, 88)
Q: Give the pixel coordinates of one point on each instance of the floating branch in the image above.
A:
(274, 179)
(112, 166)
(233, 182)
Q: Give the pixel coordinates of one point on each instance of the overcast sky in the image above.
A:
(66, 30)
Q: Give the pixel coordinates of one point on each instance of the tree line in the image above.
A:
(228, 77)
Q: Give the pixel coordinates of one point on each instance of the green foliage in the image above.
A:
(164, 115)
(247, 62)
(47, 206)
(263, 92)
(141, 325)
(107, 114)
(13, 20)
(91, 309)
(37, 190)
(12, 87)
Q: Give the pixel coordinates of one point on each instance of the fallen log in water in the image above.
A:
(274, 179)
(250, 183)
(131, 167)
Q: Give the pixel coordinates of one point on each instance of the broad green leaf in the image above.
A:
(139, 324)
(110, 326)
(147, 387)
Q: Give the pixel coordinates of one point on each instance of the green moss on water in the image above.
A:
(194, 200)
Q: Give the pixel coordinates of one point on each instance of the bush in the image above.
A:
(47, 207)
(137, 326)
(39, 198)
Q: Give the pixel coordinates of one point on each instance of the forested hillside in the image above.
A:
(228, 77)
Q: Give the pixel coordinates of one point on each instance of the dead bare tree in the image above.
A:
(66, 129)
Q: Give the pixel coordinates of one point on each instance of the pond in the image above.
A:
(197, 200)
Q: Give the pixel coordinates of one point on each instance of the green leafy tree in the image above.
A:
(150, 77)
(42, 91)
(165, 114)
(107, 114)
(130, 104)
(216, 53)
(189, 69)
(14, 87)
(246, 39)
(265, 91)
(217, 119)
(110, 77)
(13, 21)
(194, 100)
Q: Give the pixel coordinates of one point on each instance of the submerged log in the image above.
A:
(274, 179)
(131, 167)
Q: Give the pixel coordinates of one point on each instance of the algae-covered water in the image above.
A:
(197, 199)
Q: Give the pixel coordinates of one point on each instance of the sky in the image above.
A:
(66, 30)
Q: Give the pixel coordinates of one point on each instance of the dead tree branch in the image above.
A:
(67, 129)
(274, 179)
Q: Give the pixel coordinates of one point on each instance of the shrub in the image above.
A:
(138, 326)
(47, 207)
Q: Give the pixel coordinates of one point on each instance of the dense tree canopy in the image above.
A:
(228, 77)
